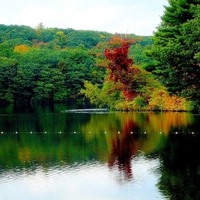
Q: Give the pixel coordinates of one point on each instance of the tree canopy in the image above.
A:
(50, 64)
(176, 49)
(53, 64)
(127, 86)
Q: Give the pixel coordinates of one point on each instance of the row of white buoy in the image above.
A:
(90, 132)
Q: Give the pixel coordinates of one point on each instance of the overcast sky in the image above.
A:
(140, 17)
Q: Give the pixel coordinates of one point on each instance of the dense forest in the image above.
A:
(51, 64)
(122, 72)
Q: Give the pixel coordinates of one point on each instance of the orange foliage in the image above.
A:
(21, 48)
(164, 122)
(163, 101)
(117, 41)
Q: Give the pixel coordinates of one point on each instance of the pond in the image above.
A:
(51, 152)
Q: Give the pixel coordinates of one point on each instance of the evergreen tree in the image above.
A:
(177, 47)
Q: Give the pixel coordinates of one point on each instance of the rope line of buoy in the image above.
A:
(90, 132)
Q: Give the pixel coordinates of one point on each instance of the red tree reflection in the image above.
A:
(124, 147)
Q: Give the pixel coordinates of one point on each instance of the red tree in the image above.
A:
(120, 65)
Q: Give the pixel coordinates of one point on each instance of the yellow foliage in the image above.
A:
(158, 100)
(101, 36)
(161, 100)
(60, 33)
(21, 48)
(24, 154)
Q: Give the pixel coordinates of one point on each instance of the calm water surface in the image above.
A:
(47, 153)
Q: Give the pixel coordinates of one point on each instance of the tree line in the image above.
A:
(51, 64)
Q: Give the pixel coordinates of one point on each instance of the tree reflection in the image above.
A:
(113, 138)
(122, 151)
(126, 134)
(124, 147)
(180, 169)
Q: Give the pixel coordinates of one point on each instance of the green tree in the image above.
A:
(77, 67)
(5, 50)
(46, 81)
(176, 48)
(8, 70)
(23, 84)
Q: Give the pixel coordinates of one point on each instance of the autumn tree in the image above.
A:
(132, 78)
(21, 48)
(120, 65)
(60, 39)
(129, 87)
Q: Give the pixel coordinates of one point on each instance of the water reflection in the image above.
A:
(142, 122)
(140, 150)
(180, 169)
(123, 149)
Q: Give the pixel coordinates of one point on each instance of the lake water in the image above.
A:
(48, 153)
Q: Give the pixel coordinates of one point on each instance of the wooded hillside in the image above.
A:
(51, 64)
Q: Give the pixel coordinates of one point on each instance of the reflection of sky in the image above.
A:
(84, 182)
